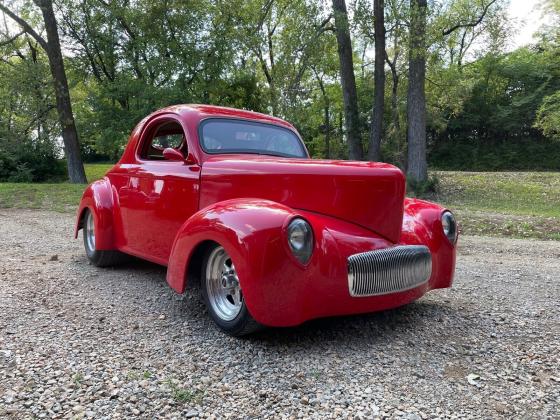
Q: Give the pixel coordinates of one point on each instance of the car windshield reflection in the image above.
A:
(219, 136)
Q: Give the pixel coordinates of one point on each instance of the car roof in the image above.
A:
(207, 111)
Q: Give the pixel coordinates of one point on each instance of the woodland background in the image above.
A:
(395, 80)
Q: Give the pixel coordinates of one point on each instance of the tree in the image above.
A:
(51, 46)
(376, 129)
(396, 36)
(460, 15)
(417, 170)
(348, 81)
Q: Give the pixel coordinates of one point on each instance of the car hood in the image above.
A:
(368, 194)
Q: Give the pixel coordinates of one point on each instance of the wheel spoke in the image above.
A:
(222, 285)
(236, 295)
(90, 232)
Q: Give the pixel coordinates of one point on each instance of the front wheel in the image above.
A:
(223, 295)
(97, 257)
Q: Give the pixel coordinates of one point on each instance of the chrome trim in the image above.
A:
(222, 285)
(389, 270)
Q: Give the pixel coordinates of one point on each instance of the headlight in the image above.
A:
(449, 226)
(300, 239)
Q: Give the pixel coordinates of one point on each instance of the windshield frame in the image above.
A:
(249, 121)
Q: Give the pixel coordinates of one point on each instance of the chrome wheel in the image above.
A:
(222, 285)
(90, 232)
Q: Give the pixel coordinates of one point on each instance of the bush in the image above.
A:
(422, 188)
(22, 173)
(501, 155)
(30, 161)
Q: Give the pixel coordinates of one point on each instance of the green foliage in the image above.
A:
(29, 145)
(30, 161)
(422, 188)
(500, 155)
(126, 59)
(548, 116)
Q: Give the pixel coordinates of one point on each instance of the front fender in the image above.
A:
(422, 225)
(98, 198)
(250, 230)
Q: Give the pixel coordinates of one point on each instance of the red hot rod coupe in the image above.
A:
(231, 200)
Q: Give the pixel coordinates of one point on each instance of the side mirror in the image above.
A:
(190, 160)
(172, 154)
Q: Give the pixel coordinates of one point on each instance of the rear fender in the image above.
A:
(98, 198)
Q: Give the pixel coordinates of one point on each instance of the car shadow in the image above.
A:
(404, 322)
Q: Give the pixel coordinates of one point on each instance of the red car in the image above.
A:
(231, 200)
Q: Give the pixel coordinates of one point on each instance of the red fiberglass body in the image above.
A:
(166, 210)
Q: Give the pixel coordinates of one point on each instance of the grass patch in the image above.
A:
(515, 204)
(519, 193)
(59, 197)
(95, 171)
(183, 395)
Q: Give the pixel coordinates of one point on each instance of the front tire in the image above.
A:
(223, 296)
(97, 257)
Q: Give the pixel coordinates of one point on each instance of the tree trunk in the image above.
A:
(76, 171)
(327, 122)
(376, 128)
(348, 81)
(395, 99)
(326, 112)
(417, 170)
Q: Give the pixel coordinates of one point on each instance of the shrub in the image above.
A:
(421, 188)
(498, 155)
(30, 161)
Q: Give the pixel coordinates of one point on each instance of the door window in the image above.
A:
(168, 134)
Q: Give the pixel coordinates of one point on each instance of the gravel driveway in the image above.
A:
(80, 341)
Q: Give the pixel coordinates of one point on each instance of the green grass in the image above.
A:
(58, 197)
(517, 193)
(183, 395)
(517, 204)
(96, 171)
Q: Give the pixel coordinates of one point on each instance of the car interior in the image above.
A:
(168, 134)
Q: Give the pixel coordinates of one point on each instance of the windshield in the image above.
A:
(236, 136)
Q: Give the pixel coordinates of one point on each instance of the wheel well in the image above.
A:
(80, 224)
(194, 266)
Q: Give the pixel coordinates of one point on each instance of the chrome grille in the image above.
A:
(388, 270)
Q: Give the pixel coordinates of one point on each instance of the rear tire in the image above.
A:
(223, 296)
(97, 257)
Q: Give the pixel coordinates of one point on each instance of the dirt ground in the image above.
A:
(79, 341)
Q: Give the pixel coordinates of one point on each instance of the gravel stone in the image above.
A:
(78, 341)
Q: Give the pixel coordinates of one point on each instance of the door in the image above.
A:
(159, 195)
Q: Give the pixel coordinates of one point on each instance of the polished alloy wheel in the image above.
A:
(222, 285)
(90, 232)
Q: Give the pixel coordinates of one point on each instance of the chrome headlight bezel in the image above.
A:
(449, 226)
(300, 238)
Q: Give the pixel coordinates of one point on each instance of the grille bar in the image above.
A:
(389, 270)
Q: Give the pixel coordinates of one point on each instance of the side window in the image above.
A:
(169, 134)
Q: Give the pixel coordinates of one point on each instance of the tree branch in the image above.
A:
(25, 26)
(470, 24)
(12, 39)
